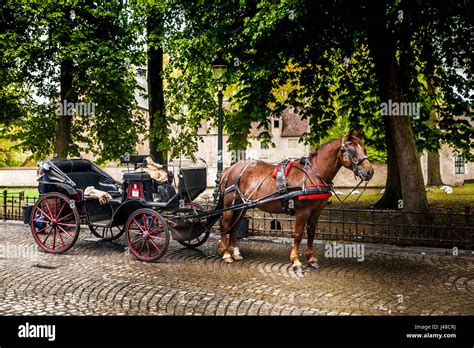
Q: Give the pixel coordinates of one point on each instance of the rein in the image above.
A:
(343, 200)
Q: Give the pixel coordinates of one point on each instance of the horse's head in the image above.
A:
(354, 157)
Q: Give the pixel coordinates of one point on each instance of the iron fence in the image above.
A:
(434, 229)
(11, 205)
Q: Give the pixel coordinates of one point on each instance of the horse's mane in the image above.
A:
(315, 152)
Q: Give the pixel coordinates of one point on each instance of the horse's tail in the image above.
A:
(222, 187)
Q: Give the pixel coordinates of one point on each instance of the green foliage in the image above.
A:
(334, 79)
(9, 157)
(436, 71)
(103, 43)
(316, 50)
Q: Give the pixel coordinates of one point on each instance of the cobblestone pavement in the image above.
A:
(97, 277)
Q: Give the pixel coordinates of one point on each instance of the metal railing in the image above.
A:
(11, 205)
(434, 229)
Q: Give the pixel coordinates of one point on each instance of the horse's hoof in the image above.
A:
(314, 264)
(298, 269)
(237, 257)
(228, 260)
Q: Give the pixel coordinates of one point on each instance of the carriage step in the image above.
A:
(101, 223)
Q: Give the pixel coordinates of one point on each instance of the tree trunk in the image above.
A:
(433, 170)
(63, 135)
(398, 128)
(158, 137)
(393, 193)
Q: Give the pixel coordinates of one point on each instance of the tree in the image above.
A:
(67, 93)
(158, 123)
(74, 52)
(316, 37)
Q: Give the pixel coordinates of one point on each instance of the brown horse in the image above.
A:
(252, 180)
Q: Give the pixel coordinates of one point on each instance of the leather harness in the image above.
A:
(311, 191)
(306, 191)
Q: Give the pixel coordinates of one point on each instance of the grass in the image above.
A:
(29, 191)
(462, 196)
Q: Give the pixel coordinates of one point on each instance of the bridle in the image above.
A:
(355, 168)
(351, 156)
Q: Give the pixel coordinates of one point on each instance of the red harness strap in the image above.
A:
(303, 197)
(316, 195)
(287, 169)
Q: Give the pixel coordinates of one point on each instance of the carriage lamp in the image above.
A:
(219, 69)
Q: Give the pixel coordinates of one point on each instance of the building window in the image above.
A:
(459, 164)
(276, 123)
(292, 143)
(263, 146)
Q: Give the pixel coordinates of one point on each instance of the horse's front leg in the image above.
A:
(311, 231)
(300, 222)
(224, 244)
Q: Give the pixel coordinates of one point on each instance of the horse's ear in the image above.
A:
(353, 133)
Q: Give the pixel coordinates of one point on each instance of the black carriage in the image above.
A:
(148, 212)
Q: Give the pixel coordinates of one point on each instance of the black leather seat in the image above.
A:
(85, 179)
(72, 165)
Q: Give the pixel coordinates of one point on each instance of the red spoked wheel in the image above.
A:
(55, 222)
(147, 234)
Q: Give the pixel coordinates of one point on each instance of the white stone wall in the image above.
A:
(18, 177)
(285, 148)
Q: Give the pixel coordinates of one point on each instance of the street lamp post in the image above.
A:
(219, 68)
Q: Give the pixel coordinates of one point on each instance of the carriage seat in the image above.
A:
(82, 173)
(85, 179)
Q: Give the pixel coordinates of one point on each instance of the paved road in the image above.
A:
(102, 278)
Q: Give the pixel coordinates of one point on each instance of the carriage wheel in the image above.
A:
(147, 234)
(55, 223)
(202, 238)
(107, 233)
